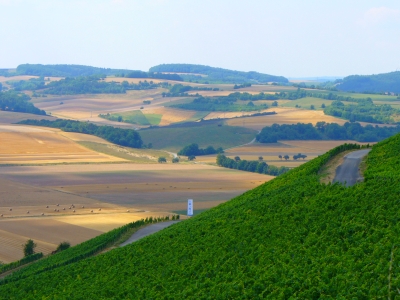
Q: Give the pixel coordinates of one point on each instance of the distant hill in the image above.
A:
(64, 70)
(218, 74)
(379, 83)
(292, 237)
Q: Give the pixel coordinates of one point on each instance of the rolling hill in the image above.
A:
(377, 83)
(291, 237)
(217, 74)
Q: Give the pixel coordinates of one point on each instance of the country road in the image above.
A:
(141, 233)
(348, 172)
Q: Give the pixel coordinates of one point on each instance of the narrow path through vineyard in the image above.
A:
(147, 231)
(348, 171)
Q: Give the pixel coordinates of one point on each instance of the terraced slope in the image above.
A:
(291, 237)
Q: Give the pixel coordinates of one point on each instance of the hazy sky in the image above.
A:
(292, 38)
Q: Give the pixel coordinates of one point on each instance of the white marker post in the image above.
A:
(190, 208)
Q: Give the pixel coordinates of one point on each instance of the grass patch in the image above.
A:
(174, 139)
(135, 117)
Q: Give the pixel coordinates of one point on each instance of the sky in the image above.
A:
(292, 38)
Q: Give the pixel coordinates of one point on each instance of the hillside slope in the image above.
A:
(291, 237)
(218, 74)
(386, 82)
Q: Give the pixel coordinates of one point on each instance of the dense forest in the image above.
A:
(325, 131)
(217, 74)
(63, 70)
(119, 136)
(291, 237)
(16, 102)
(28, 85)
(379, 83)
(93, 85)
(141, 74)
(257, 166)
(194, 150)
(219, 104)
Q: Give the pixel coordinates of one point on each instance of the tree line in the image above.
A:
(154, 75)
(257, 166)
(16, 102)
(325, 131)
(194, 150)
(119, 136)
(180, 90)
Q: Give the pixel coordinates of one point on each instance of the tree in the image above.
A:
(260, 158)
(175, 160)
(312, 106)
(162, 159)
(280, 156)
(286, 157)
(275, 103)
(323, 105)
(119, 119)
(191, 157)
(29, 247)
(63, 246)
(237, 158)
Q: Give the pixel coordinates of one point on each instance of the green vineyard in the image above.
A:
(292, 237)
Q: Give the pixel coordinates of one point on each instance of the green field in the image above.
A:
(174, 139)
(308, 101)
(135, 117)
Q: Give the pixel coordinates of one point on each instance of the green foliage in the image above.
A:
(134, 117)
(13, 101)
(193, 149)
(241, 86)
(119, 136)
(63, 70)
(29, 248)
(217, 74)
(162, 159)
(386, 82)
(175, 160)
(257, 166)
(31, 84)
(365, 111)
(63, 246)
(325, 131)
(291, 237)
(78, 252)
(27, 259)
(180, 90)
(140, 74)
(173, 138)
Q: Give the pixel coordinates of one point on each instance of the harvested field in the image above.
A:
(139, 186)
(285, 116)
(89, 106)
(143, 190)
(33, 145)
(7, 117)
(170, 115)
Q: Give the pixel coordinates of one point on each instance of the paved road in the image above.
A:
(348, 172)
(141, 233)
